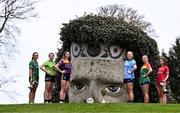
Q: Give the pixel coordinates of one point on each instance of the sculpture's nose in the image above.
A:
(93, 93)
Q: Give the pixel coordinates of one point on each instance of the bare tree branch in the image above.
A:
(129, 15)
(12, 11)
(6, 81)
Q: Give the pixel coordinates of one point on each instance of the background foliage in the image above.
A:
(173, 58)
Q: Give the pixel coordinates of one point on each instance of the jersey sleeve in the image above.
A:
(133, 62)
(61, 62)
(167, 70)
(30, 65)
(148, 66)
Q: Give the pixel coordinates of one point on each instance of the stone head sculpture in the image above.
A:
(97, 67)
(98, 48)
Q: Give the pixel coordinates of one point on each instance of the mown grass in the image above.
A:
(90, 108)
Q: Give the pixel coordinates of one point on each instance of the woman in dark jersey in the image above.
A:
(64, 67)
(33, 76)
(163, 75)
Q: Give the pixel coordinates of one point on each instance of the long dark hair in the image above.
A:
(64, 56)
(165, 61)
(33, 55)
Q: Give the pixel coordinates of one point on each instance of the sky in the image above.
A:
(42, 34)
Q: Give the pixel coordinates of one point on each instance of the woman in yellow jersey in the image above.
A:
(49, 68)
(144, 79)
(64, 66)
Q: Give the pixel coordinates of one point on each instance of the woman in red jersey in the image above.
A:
(163, 75)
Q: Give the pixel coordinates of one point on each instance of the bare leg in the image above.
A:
(67, 88)
(162, 96)
(145, 90)
(129, 89)
(32, 94)
(164, 99)
(63, 89)
(51, 89)
(47, 90)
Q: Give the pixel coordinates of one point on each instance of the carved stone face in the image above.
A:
(97, 73)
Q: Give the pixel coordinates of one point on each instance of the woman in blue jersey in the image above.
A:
(129, 68)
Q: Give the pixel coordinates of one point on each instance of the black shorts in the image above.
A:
(65, 76)
(147, 82)
(49, 78)
(127, 80)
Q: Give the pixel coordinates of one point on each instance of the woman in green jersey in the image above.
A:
(33, 76)
(50, 74)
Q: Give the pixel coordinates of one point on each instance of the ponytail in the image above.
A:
(33, 55)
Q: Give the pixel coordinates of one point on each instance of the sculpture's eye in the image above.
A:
(79, 87)
(93, 50)
(115, 52)
(76, 49)
(113, 89)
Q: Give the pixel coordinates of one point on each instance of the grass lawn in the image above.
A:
(90, 108)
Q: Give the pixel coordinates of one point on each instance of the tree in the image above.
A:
(12, 12)
(128, 15)
(174, 65)
(109, 30)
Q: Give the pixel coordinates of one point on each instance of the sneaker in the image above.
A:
(31, 103)
(46, 101)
